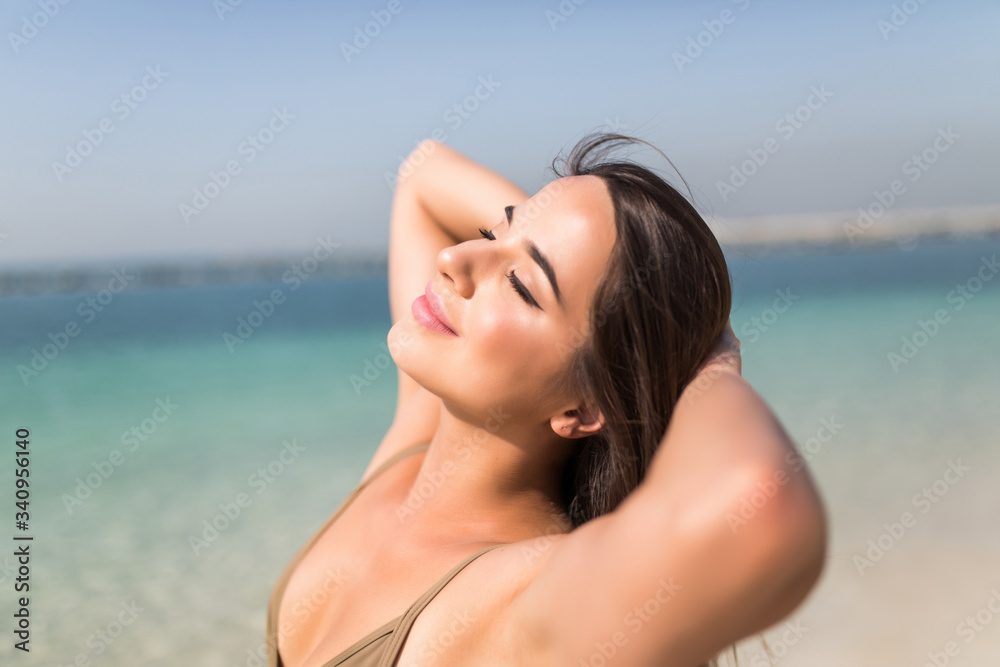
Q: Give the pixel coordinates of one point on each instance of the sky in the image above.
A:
(245, 128)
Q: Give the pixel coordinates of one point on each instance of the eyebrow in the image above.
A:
(539, 258)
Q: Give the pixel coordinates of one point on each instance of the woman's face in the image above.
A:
(507, 348)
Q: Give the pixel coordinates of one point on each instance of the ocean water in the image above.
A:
(146, 424)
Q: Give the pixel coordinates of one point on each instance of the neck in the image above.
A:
(491, 481)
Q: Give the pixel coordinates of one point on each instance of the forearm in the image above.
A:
(438, 203)
(458, 194)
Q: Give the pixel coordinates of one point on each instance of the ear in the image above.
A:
(578, 422)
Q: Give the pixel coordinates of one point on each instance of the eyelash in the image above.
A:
(510, 276)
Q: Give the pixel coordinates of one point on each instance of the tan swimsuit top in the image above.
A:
(380, 647)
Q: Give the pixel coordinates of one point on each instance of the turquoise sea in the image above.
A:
(145, 425)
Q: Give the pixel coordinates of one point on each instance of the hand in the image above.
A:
(725, 356)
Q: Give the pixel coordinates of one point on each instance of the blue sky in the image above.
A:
(342, 124)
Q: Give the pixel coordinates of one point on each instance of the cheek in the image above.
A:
(503, 332)
(499, 329)
(513, 348)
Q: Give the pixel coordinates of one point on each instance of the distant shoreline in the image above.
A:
(761, 234)
(862, 227)
(187, 273)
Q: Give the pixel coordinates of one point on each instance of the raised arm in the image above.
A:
(724, 537)
(439, 203)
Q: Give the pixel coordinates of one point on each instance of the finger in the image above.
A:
(729, 331)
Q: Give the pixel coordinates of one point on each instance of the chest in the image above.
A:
(334, 593)
(332, 608)
(311, 597)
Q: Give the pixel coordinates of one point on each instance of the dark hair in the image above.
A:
(661, 305)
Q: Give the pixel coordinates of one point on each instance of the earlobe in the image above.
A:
(578, 422)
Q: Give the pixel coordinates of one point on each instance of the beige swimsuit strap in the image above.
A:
(399, 634)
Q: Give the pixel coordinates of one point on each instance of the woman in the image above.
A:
(529, 504)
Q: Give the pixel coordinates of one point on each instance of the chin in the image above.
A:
(408, 349)
(397, 341)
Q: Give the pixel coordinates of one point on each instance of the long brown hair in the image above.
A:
(661, 305)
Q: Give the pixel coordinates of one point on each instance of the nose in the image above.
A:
(462, 266)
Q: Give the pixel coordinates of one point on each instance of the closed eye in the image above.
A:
(522, 290)
(514, 280)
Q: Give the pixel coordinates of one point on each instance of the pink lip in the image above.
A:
(428, 311)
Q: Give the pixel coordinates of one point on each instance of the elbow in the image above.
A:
(417, 158)
(796, 533)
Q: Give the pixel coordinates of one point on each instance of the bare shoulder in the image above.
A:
(725, 537)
